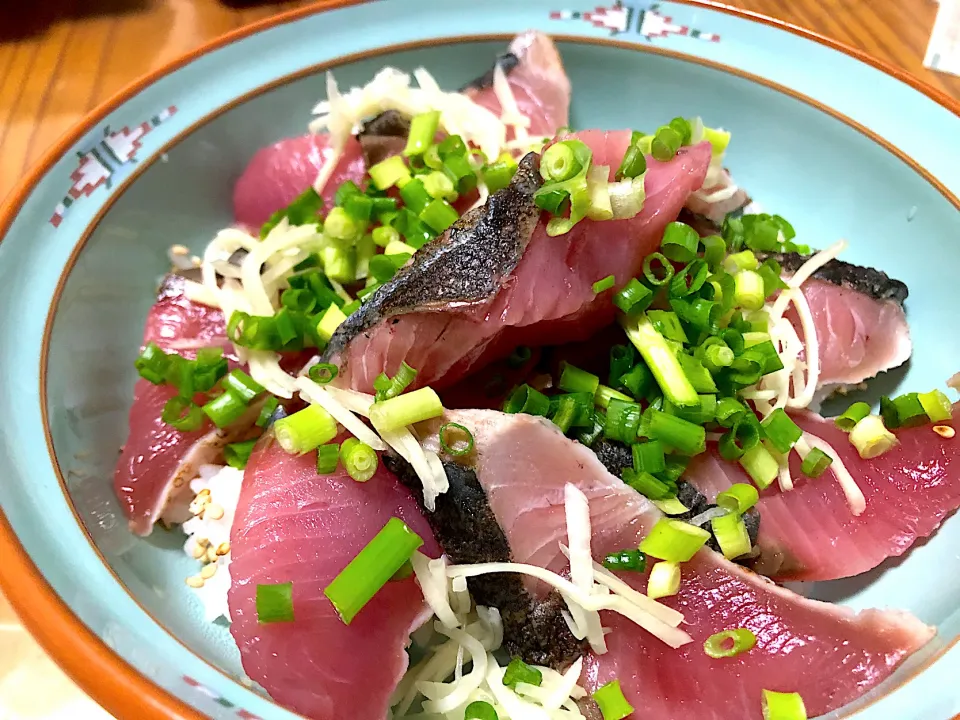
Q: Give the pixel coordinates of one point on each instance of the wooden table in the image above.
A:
(46, 85)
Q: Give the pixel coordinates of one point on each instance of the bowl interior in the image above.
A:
(826, 177)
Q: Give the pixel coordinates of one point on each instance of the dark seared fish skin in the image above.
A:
(173, 284)
(383, 136)
(507, 62)
(617, 456)
(465, 266)
(469, 533)
(868, 281)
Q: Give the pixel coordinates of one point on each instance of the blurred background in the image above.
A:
(61, 58)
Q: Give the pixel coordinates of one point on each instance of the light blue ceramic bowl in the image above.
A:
(821, 136)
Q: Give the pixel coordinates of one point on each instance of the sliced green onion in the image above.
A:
(384, 235)
(760, 465)
(520, 356)
(622, 358)
(328, 457)
(664, 580)
(690, 279)
(389, 172)
(738, 498)
(671, 506)
(665, 144)
(770, 272)
(275, 603)
(519, 672)
(480, 710)
(910, 411)
(573, 379)
(604, 284)
(660, 274)
(674, 540)
(700, 415)
(359, 459)
(661, 360)
(742, 436)
(183, 414)
(225, 409)
(152, 364)
(699, 377)
(572, 410)
(732, 536)
(423, 127)
(589, 436)
(936, 405)
(302, 211)
(815, 463)
(647, 485)
(871, 438)
(764, 349)
(360, 208)
(439, 215)
(613, 705)
(736, 262)
(456, 439)
(340, 226)
(717, 356)
(329, 322)
(604, 395)
(781, 431)
(639, 380)
(783, 706)
(559, 163)
(372, 568)
(237, 454)
(387, 387)
(626, 560)
(298, 300)
(633, 298)
(649, 456)
(266, 412)
(680, 242)
(305, 430)
(676, 466)
(687, 437)
(245, 387)
(748, 290)
(623, 420)
(668, 324)
(402, 410)
(634, 164)
(728, 411)
(888, 411)
(498, 175)
(322, 373)
(714, 251)
(729, 643)
(526, 399)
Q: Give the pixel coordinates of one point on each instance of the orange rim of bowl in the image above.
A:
(110, 680)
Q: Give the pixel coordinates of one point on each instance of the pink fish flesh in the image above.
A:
(829, 654)
(539, 84)
(278, 173)
(537, 291)
(293, 525)
(861, 325)
(157, 462)
(810, 532)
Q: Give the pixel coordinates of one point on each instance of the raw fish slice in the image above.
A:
(460, 305)
(861, 325)
(810, 533)
(537, 80)
(278, 173)
(829, 654)
(293, 525)
(157, 461)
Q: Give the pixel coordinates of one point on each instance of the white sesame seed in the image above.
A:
(223, 549)
(211, 554)
(198, 551)
(208, 571)
(944, 431)
(195, 581)
(214, 511)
